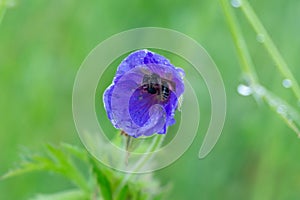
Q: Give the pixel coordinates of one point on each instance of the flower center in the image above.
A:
(154, 84)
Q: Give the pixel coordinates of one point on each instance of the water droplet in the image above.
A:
(287, 83)
(260, 38)
(181, 72)
(273, 103)
(281, 109)
(244, 90)
(290, 119)
(236, 3)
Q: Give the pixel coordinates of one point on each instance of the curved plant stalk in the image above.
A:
(288, 114)
(240, 44)
(3, 7)
(285, 111)
(270, 46)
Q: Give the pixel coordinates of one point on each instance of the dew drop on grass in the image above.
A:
(260, 38)
(290, 119)
(273, 103)
(244, 90)
(281, 109)
(287, 83)
(236, 3)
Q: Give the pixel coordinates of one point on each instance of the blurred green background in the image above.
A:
(43, 43)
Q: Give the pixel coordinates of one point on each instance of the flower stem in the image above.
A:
(270, 46)
(239, 42)
(2, 9)
(289, 116)
(156, 143)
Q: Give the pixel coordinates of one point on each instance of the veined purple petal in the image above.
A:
(144, 94)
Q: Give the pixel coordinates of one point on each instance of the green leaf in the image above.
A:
(24, 168)
(60, 160)
(102, 181)
(123, 193)
(65, 195)
(76, 151)
(67, 168)
(57, 155)
(30, 164)
(55, 160)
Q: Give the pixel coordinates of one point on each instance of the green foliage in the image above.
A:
(102, 182)
(287, 113)
(43, 43)
(65, 195)
(99, 183)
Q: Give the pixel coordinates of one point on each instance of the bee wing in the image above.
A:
(180, 100)
(169, 76)
(171, 85)
(168, 79)
(144, 70)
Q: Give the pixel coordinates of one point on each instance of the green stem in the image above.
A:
(288, 115)
(154, 146)
(248, 67)
(2, 9)
(75, 175)
(239, 42)
(270, 46)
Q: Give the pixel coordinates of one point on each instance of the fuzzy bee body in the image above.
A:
(165, 91)
(151, 83)
(154, 84)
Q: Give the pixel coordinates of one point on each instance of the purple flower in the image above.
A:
(144, 94)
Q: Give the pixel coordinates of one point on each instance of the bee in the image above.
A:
(154, 84)
(151, 83)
